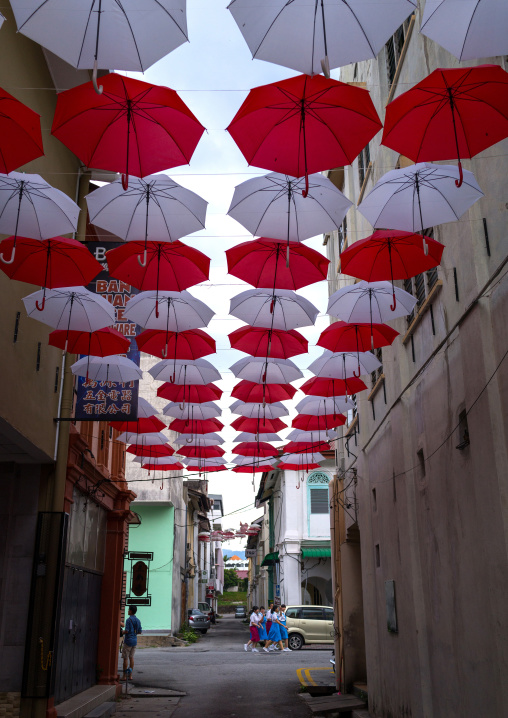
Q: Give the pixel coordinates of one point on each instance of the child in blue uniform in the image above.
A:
(263, 635)
(283, 629)
(274, 634)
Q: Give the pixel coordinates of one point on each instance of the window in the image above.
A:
(421, 285)
(463, 431)
(312, 614)
(328, 614)
(363, 164)
(394, 49)
(342, 236)
(292, 613)
(421, 463)
(378, 556)
(374, 376)
(374, 500)
(319, 501)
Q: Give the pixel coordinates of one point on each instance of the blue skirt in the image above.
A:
(274, 634)
(263, 636)
(283, 632)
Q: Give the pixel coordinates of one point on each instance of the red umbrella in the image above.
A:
(192, 426)
(304, 124)
(140, 426)
(451, 113)
(257, 426)
(189, 344)
(163, 467)
(255, 448)
(150, 451)
(252, 469)
(250, 392)
(321, 386)
(298, 467)
(53, 263)
(190, 393)
(345, 337)
(301, 447)
(20, 133)
(132, 127)
(201, 452)
(262, 263)
(101, 343)
(275, 343)
(204, 469)
(308, 422)
(170, 266)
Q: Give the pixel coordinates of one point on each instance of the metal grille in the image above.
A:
(420, 289)
(363, 164)
(319, 501)
(342, 236)
(394, 49)
(378, 353)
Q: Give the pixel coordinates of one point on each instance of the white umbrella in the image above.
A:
(145, 409)
(118, 369)
(302, 459)
(126, 35)
(158, 460)
(311, 437)
(168, 311)
(253, 461)
(185, 371)
(196, 412)
(370, 302)
(155, 208)
(342, 365)
(70, 308)
(469, 29)
(423, 195)
(155, 438)
(211, 439)
(274, 309)
(30, 207)
(273, 206)
(314, 35)
(249, 436)
(321, 405)
(203, 461)
(261, 370)
(254, 411)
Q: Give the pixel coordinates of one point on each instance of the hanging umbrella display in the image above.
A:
(469, 30)
(30, 207)
(262, 342)
(300, 447)
(256, 411)
(255, 448)
(201, 452)
(142, 425)
(304, 125)
(190, 393)
(52, 263)
(344, 364)
(301, 462)
(131, 437)
(150, 450)
(250, 465)
(100, 343)
(359, 337)
(321, 405)
(257, 426)
(263, 263)
(266, 370)
(156, 208)
(314, 36)
(311, 437)
(20, 133)
(209, 439)
(248, 391)
(168, 463)
(374, 302)
(318, 386)
(183, 426)
(248, 436)
(423, 195)
(168, 311)
(456, 112)
(311, 422)
(190, 344)
(197, 371)
(273, 309)
(132, 127)
(117, 369)
(204, 469)
(199, 412)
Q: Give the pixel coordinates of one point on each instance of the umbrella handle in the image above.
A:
(190, 440)
(172, 379)
(164, 353)
(393, 306)
(458, 182)
(272, 304)
(98, 88)
(11, 260)
(156, 309)
(287, 256)
(357, 376)
(142, 263)
(43, 304)
(125, 182)
(325, 66)
(305, 192)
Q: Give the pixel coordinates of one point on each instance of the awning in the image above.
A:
(316, 552)
(270, 559)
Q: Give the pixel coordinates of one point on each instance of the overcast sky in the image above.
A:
(213, 74)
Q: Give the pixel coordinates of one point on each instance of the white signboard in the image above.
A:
(251, 552)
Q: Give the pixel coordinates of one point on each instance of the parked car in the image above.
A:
(240, 612)
(309, 624)
(207, 610)
(198, 620)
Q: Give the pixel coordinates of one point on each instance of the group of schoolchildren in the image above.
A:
(268, 626)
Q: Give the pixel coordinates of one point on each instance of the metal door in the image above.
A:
(76, 656)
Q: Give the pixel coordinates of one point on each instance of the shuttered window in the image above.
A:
(319, 501)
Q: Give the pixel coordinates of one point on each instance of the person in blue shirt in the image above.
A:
(130, 641)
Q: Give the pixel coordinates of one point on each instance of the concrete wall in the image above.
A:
(441, 529)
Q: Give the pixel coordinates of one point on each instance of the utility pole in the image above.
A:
(337, 527)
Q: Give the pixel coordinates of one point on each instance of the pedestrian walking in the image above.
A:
(254, 633)
(130, 641)
(274, 637)
(283, 630)
(263, 635)
(269, 618)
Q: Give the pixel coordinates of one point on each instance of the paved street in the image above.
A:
(221, 679)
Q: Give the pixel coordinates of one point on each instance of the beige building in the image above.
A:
(421, 514)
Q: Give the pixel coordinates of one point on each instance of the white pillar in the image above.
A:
(290, 574)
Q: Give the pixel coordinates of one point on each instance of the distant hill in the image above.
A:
(233, 552)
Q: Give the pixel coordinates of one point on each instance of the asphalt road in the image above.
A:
(222, 680)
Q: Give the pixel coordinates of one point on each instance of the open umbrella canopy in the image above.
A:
(273, 309)
(311, 422)
(254, 469)
(256, 426)
(201, 452)
(249, 436)
(192, 393)
(300, 447)
(205, 468)
(150, 450)
(454, 112)
(153, 439)
(111, 368)
(344, 364)
(179, 371)
(205, 461)
(263, 263)
(250, 462)
(70, 308)
(267, 370)
(304, 124)
(255, 448)
(100, 343)
(273, 206)
(199, 412)
(370, 302)
(255, 411)
(20, 133)
(321, 405)
(165, 463)
(142, 425)
(300, 34)
(248, 391)
(359, 337)
(132, 127)
(423, 195)
(184, 426)
(301, 466)
(168, 311)
(321, 386)
(189, 344)
(209, 439)
(311, 437)
(262, 342)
